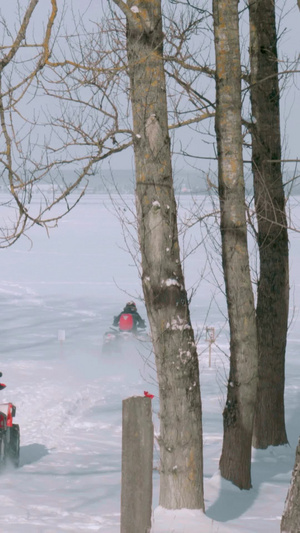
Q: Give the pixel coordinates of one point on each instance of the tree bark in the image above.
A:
(235, 462)
(181, 473)
(290, 522)
(273, 286)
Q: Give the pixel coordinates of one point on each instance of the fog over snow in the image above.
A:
(69, 395)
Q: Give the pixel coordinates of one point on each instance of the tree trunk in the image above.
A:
(273, 285)
(290, 522)
(181, 475)
(235, 462)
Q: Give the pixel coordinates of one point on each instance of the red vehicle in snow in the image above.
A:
(9, 434)
(125, 330)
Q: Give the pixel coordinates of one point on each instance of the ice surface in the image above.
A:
(68, 395)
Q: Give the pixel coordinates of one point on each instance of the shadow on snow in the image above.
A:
(32, 453)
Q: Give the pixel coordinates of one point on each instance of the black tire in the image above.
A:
(3, 448)
(13, 448)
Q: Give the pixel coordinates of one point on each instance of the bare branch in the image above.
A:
(20, 36)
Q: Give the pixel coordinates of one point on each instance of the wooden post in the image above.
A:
(211, 338)
(137, 465)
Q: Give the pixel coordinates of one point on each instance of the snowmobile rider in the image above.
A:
(130, 309)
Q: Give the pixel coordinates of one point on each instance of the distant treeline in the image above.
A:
(122, 181)
(188, 182)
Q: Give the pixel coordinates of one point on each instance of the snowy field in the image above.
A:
(68, 395)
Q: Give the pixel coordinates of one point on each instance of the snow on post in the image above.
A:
(137, 465)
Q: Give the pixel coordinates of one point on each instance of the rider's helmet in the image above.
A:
(131, 306)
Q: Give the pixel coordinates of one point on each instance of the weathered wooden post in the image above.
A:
(137, 465)
(210, 338)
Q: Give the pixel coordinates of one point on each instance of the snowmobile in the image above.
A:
(9, 434)
(119, 336)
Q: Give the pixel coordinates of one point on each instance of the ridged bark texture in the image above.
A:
(290, 522)
(235, 462)
(273, 286)
(181, 472)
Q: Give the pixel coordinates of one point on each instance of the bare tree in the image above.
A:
(235, 462)
(14, 88)
(273, 284)
(88, 78)
(181, 473)
(40, 145)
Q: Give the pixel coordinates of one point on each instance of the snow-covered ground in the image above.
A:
(69, 396)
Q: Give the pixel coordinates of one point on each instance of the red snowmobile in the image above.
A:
(117, 337)
(9, 434)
